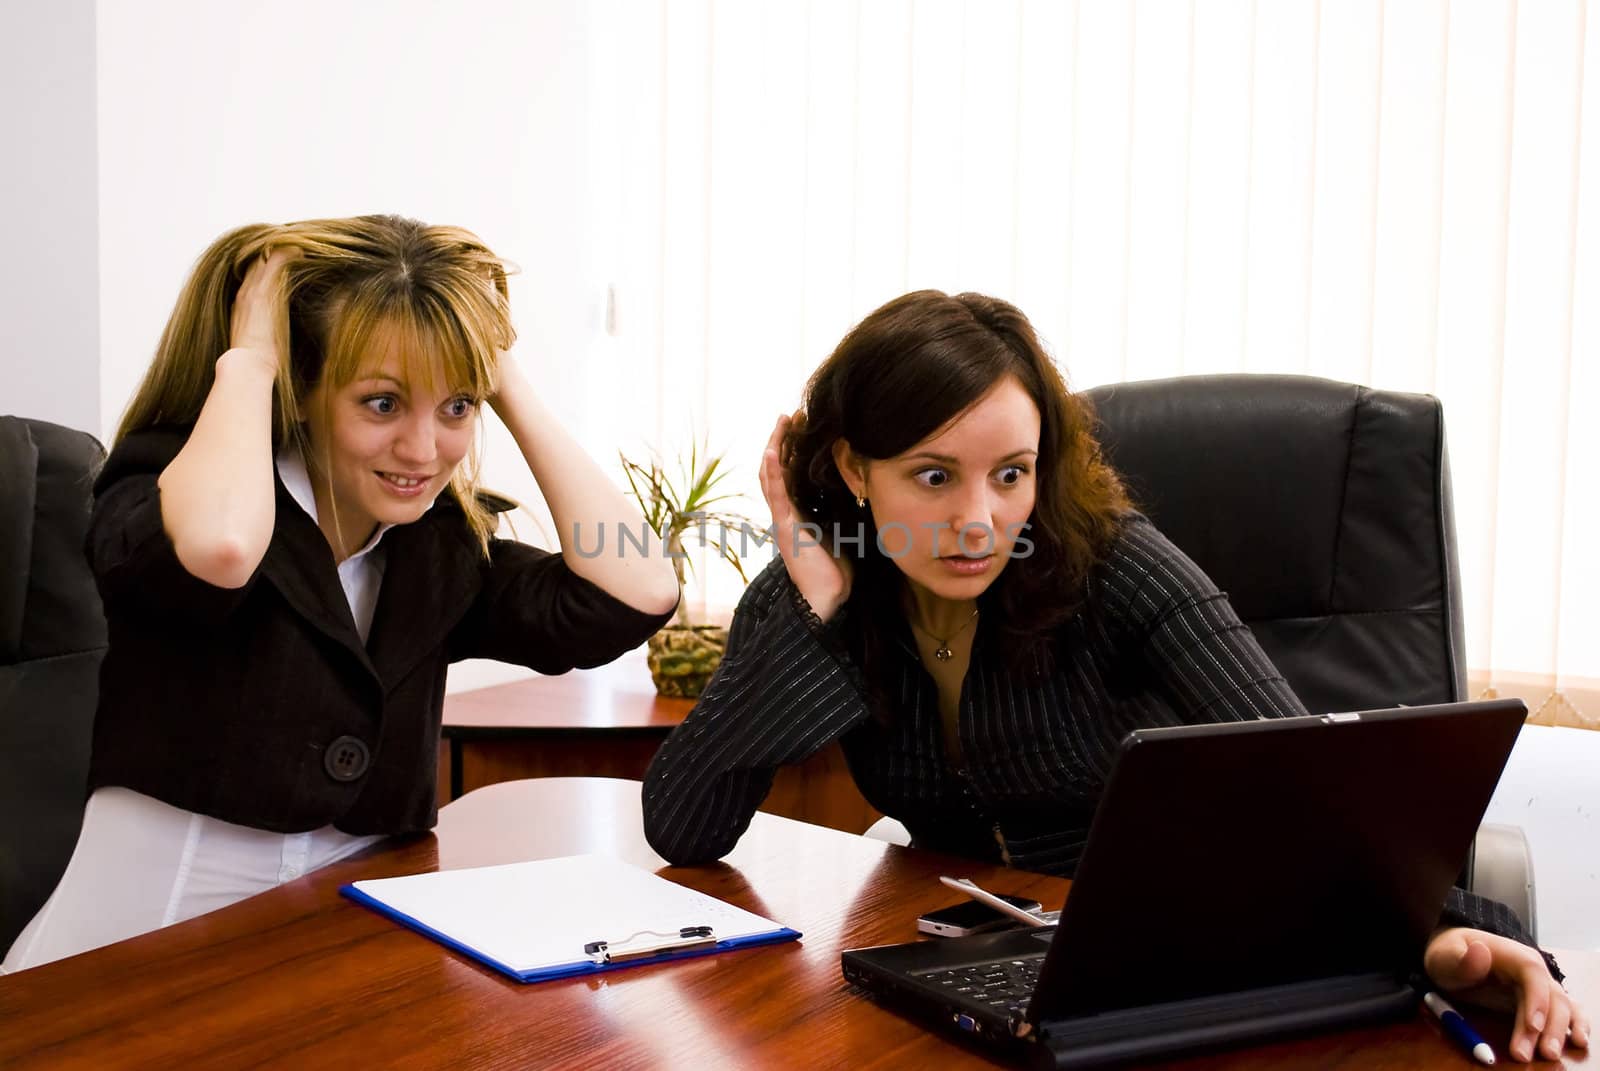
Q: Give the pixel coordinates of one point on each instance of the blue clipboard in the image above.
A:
(595, 914)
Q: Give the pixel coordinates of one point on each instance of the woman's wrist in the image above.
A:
(827, 609)
(819, 614)
(243, 361)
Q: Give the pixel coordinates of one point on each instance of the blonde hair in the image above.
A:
(438, 289)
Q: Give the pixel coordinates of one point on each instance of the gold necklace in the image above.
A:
(942, 652)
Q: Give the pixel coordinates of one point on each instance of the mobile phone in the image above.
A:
(969, 917)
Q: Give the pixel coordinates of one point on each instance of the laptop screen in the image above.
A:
(1239, 856)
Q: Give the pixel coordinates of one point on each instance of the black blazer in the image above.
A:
(261, 706)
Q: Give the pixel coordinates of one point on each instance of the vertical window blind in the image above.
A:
(1402, 193)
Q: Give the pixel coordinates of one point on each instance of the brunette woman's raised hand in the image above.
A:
(821, 576)
(1495, 971)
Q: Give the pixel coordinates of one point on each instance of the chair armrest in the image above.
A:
(1501, 869)
(891, 830)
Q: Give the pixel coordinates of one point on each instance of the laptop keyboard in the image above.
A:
(1004, 985)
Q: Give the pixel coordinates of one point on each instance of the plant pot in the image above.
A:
(683, 658)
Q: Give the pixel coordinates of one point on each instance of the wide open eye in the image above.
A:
(382, 404)
(932, 477)
(1011, 474)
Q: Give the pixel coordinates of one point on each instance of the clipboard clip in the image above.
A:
(689, 937)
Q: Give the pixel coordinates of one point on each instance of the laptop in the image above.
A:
(1241, 881)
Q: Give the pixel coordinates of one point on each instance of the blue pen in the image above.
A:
(1457, 1028)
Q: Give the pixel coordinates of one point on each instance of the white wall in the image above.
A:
(1550, 790)
(49, 284)
(213, 115)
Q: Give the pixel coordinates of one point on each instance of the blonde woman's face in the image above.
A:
(388, 446)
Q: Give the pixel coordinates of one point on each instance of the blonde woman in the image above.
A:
(291, 547)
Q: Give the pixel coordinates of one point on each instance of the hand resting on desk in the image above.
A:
(1500, 973)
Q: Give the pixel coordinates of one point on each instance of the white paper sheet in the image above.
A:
(540, 914)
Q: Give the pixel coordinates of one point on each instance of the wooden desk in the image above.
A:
(608, 722)
(299, 977)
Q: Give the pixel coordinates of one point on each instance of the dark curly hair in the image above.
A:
(907, 370)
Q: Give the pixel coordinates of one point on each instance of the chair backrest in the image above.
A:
(52, 637)
(1322, 509)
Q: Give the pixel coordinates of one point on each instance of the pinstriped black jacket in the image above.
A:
(1155, 644)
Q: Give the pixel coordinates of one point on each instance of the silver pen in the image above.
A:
(984, 896)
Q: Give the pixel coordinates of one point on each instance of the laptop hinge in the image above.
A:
(1214, 1021)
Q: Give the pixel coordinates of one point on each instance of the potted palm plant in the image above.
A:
(684, 654)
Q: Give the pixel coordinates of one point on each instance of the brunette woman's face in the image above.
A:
(390, 445)
(949, 510)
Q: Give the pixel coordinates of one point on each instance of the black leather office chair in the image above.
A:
(52, 636)
(1323, 510)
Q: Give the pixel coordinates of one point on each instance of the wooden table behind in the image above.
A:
(608, 722)
(299, 977)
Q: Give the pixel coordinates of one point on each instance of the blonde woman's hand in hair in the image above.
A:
(257, 309)
(217, 494)
(820, 575)
(584, 502)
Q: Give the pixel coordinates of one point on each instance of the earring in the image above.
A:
(861, 503)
